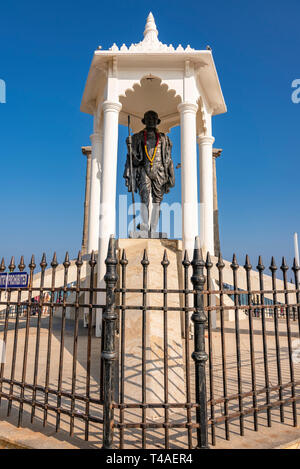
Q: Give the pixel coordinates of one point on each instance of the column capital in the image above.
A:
(87, 151)
(111, 106)
(187, 107)
(96, 137)
(205, 140)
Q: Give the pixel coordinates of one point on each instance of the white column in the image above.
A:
(189, 192)
(206, 193)
(107, 224)
(95, 189)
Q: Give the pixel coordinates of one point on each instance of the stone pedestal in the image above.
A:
(154, 325)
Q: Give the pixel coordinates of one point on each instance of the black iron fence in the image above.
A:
(40, 343)
(184, 365)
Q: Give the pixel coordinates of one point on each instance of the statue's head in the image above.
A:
(151, 119)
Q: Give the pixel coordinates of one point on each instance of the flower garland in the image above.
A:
(155, 149)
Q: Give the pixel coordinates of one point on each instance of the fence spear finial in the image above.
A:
(208, 263)
(43, 263)
(197, 255)
(111, 252)
(145, 260)
(247, 265)
(234, 263)
(273, 266)
(12, 264)
(2, 266)
(54, 262)
(165, 262)
(32, 264)
(197, 243)
(92, 260)
(67, 260)
(79, 259)
(260, 265)
(21, 265)
(220, 263)
(284, 265)
(124, 260)
(295, 265)
(186, 261)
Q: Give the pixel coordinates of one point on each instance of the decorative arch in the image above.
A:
(150, 92)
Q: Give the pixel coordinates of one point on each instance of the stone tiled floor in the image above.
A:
(155, 437)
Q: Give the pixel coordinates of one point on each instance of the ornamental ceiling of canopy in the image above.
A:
(147, 95)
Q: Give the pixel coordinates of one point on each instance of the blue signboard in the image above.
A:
(14, 280)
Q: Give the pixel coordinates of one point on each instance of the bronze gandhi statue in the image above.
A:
(152, 169)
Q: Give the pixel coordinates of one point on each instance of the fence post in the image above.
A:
(199, 355)
(109, 353)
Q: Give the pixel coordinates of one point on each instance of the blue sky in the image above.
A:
(45, 54)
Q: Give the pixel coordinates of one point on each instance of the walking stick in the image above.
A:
(131, 171)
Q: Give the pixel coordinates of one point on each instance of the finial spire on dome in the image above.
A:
(150, 32)
(151, 43)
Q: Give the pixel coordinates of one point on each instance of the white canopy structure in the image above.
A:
(182, 86)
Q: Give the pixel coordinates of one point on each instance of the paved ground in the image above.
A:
(279, 434)
(231, 367)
